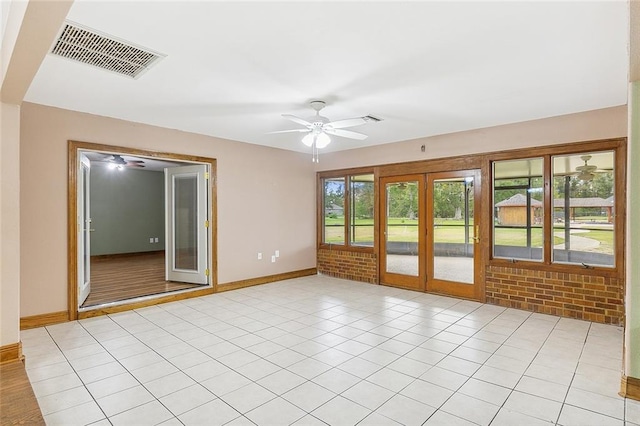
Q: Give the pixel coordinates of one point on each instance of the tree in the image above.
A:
(600, 186)
(333, 193)
(363, 199)
(448, 199)
(402, 200)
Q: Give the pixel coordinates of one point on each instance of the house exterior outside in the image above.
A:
(513, 210)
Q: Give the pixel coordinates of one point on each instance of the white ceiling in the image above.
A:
(426, 68)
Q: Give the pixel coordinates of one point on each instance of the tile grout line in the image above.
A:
(301, 310)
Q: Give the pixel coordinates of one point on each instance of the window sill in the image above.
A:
(556, 267)
(341, 247)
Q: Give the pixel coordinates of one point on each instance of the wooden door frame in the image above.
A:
(73, 148)
(476, 290)
(398, 280)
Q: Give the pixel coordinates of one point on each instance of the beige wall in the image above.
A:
(266, 199)
(591, 125)
(27, 31)
(9, 223)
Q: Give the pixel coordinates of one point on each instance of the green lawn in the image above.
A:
(407, 230)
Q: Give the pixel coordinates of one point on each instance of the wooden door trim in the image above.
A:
(73, 148)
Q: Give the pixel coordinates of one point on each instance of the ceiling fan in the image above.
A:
(586, 171)
(118, 162)
(318, 128)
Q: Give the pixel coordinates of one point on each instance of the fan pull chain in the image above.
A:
(314, 151)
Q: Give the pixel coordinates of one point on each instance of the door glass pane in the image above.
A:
(361, 211)
(87, 225)
(333, 197)
(186, 222)
(402, 228)
(453, 230)
(583, 209)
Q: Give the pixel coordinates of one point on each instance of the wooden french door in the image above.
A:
(430, 232)
(84, 229)
(187, 223)
(403, 231)
(453, 255)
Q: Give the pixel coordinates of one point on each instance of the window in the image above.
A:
(361, 210)
(518, 209)
(334, 196)
(583, 209)
(348, 216)
(575, 217)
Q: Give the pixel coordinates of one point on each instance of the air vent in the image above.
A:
(372, 118)
(99, 50)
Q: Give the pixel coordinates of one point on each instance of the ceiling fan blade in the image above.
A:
(297, 120)
(290, 131)
(586, 168)
(349, 122)
(346, 134)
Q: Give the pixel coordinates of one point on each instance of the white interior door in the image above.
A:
(84, 230)
(187, 222)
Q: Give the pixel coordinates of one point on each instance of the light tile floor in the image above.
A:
(319, 350)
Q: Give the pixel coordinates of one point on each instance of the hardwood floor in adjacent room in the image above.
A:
(18, 404)
(119, 278)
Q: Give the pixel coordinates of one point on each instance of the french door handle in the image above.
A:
(476, 239)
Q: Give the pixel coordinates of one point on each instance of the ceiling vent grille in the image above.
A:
(89, 47)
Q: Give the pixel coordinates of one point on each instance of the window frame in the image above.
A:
(345, 210)
(568, 227)
(618, 147)
(529, 228)
(346, 174)
(350, 221)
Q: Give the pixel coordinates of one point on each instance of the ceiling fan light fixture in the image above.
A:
(308, 139)
(322, 139)
(586, 171)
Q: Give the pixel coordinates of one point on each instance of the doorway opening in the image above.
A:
(141, 227)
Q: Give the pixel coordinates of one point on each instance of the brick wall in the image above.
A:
(586, 297)
(351, 265)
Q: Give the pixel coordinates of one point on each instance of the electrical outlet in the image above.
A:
(273, 259)
(155, 239)
(277, 253)
(259, 256)
(151, 240)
